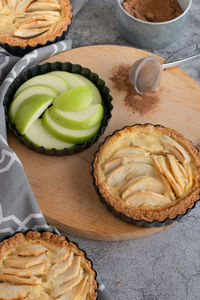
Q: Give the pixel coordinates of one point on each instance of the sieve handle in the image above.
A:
(182, 56)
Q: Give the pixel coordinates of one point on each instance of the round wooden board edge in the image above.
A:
(145, 52)
(143, 232)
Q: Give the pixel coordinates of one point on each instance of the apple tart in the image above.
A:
(32, 22)
(147, 173)
(44, 266)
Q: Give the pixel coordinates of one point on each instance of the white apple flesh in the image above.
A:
(72, 79)
(74, 118)
(66, 134)
(30, 110)
(54, 81)
(78, 120)
(76, 80)
(26, 93)
(39, 136)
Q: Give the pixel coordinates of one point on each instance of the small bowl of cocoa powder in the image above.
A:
(151, 24)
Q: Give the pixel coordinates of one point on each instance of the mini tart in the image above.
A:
(33, 22)
(44, 266)
(147, 173)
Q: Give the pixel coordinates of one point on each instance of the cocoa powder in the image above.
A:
(141, 104)
(153, 10)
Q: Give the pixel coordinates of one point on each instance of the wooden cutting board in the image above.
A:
(63, 185)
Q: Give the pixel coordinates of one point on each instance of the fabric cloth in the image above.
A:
(19, 210)
(18, 207)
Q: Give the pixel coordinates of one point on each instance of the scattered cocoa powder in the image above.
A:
(141, 104)
(153, 10)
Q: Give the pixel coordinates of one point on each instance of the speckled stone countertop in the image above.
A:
(164, 266)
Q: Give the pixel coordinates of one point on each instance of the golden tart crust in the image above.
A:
(44, 266)
(147, 173)
(58, 20)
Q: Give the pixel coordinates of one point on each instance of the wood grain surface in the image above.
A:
(63, 186)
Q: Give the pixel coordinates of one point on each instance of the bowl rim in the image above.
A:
(119, 2)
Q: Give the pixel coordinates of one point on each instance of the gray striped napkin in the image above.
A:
(19, 210)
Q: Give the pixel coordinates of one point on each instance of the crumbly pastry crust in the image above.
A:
(52, 239)
(56, 30)
(141, 214)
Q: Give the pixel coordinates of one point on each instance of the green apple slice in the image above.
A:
(96, 94)
(76, 80)
(56, 82)
(30, 110)
(26, 93)
(76, 99)
(73, 80)
(39, 136)
(78, 120)
(65, 134)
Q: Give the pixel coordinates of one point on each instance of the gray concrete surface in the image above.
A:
(164, 266)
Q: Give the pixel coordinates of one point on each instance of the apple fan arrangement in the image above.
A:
(58, 110)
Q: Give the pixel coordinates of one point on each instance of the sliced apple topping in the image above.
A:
(133, 150)
(147, 199)
(41, 6)
(28, 272)
(45, 13)
(34, 26)
(152, 184)
(120, 160)
(169, 190)
(20, 280)
(184, 173)
(118, 175)
(190, 176)
(130, 181)
(61, 255)
(59, 268)
(1, 4)
(29, 33)
(32, 250)
(71, 272)
(62, 289)
(35, 21)
(164, 178)
(132, 169)
(178, 175)
(163, 168)
(176, 149)
(12, 291)
(21, 262)
(23, 5)
(78, 292)
(37, 295)
(11, 3)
